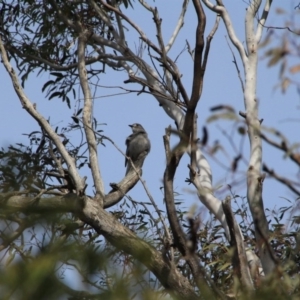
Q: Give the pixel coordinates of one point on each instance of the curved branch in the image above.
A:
(287, 182)
(179, 25)
(119, 190)
(180, 240)
(170, 65)
(239, 258)
(254, 176)
(262, 20)
(251, 40)
(29, 107)
(198, 67)
(120, 26)
(123, 238)
(87, 119)
(65, 203)
(229, 27)
(295, 157)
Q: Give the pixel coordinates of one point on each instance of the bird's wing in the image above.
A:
(144, 142)
(148, 147)
(129, 138)
(142, 145)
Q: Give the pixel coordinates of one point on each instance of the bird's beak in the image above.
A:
(130, 126)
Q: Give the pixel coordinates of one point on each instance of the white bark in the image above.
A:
(254, 181)
(179, 25)
(249, 60)
(87, 120)
(26, 104)
(262, 20)
(203, 182)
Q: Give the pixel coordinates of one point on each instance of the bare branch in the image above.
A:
(208, 41)
(239, 258)
(262, 20)
(251, 39)
(282, 28)
(118, 235)
(87, 119)
(29, 107)
(139, 62)
(287, 182)
(123, 238)
(295, 157)
(66, 203)
(131, 23)
(236, 66)
(179, 25)
(254, 177)
(146, 5)
(180, 239)
(201, 178)
(198, 67)
(120, 25)
(229, 27)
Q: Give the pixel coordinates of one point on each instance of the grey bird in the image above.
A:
(138, 146)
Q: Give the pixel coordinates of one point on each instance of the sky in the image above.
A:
(118, 110)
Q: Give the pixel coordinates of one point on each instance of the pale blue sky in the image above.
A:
(221, 86)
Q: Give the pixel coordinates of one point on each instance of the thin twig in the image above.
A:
(236, 66)
(281, 179)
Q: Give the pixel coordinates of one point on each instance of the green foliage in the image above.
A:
(20, 168)
(40, 250)
(39, 41)
(36, 264)
(43, 254)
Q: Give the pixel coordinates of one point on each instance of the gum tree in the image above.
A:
(76, 41)
(254, 24)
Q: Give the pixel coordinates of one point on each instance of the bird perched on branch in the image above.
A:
(138, 146)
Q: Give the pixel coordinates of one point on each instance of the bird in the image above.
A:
(138, 147)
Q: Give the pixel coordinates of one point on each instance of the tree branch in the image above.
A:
(29, 107)
(229, 27)
(288, 183)
(179, 25)
(254, 177)
(295, 157)
(120, 25)
(119, 190)
(118, 235)
(87, 118)
(124, 239)
(198, 67)
(180, 240)
(251, 40)
(239, 258)
(262, 20)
